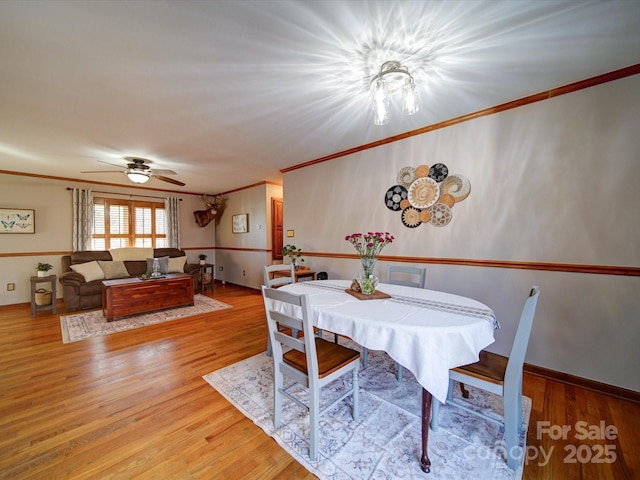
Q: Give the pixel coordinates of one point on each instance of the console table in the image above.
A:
(300, 273)
(127, 296)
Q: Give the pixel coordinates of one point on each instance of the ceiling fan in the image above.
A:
(138, 171)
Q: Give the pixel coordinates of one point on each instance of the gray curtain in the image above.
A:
(82, 219)
(172, 213)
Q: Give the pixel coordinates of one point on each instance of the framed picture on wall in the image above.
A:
(13, 220)
(240, 223)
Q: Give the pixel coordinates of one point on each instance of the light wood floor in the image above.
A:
(134, 405)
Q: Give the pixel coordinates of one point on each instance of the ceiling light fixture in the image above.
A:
(392, 79)
(137, 176)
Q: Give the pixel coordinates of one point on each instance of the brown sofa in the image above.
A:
(79, 294)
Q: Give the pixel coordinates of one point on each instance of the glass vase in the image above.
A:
(368, 278)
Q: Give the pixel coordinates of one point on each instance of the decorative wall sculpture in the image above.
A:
(426, 195)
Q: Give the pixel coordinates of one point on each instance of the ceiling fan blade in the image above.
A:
(112, 164)
(157, 171)
(170, 180)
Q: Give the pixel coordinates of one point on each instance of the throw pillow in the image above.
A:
(115, 269)
(90, 271)
(176, 264)
(164, 263)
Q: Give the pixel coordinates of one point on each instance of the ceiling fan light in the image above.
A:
(138, 177)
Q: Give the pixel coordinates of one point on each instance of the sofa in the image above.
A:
(82, 289)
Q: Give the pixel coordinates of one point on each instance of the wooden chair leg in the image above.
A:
(465, 392)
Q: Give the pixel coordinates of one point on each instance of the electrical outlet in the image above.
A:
(243, 274)
(11, 287)
(221, 268)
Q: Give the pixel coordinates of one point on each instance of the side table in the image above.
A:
(34, 286)
(204, 269)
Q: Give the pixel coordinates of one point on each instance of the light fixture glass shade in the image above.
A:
(380, 102)
(137, 177)
(410, 103)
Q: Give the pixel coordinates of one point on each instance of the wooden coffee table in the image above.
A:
(127, 296)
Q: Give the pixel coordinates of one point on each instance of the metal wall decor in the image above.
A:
(426, 194)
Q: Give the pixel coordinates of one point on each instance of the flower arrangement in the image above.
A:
(203, 258)
(294, 253)
(371, 243)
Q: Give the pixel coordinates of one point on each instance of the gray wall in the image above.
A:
(554, 181)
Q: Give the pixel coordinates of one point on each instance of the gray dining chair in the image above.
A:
(501, 376)
(409, 277)
(309, 361)
(275, 276)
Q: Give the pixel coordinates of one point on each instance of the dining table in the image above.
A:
(428, 332)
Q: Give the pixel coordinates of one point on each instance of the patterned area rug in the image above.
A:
(81, 326)
(384, 442)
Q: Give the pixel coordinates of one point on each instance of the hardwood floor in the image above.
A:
(134, 405)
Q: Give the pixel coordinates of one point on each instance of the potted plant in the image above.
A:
(203, 258)
(43, 269)
(294, 254)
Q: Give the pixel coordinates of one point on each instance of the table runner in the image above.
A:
(484, 313)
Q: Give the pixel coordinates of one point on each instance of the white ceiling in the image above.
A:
(227, 93)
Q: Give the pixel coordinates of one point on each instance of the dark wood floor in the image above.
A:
(134, 405)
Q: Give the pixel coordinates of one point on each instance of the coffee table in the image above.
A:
(128, 296)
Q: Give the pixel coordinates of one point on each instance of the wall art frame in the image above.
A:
(17, 220)
(240, 223)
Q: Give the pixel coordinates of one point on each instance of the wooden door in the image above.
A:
(277, 233)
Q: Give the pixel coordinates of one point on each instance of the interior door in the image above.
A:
(277, 233)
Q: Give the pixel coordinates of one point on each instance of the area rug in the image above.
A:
(384, 442)
(81, 326)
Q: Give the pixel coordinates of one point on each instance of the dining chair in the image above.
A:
(409, 277)
(278, 275)
(501, 376)
(309, 361)
(275, 276)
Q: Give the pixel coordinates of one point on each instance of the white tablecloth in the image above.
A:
(425, 331)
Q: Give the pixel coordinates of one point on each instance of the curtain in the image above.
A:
(172, 214)
(82, 219)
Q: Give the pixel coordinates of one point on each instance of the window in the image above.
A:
(128, 223)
